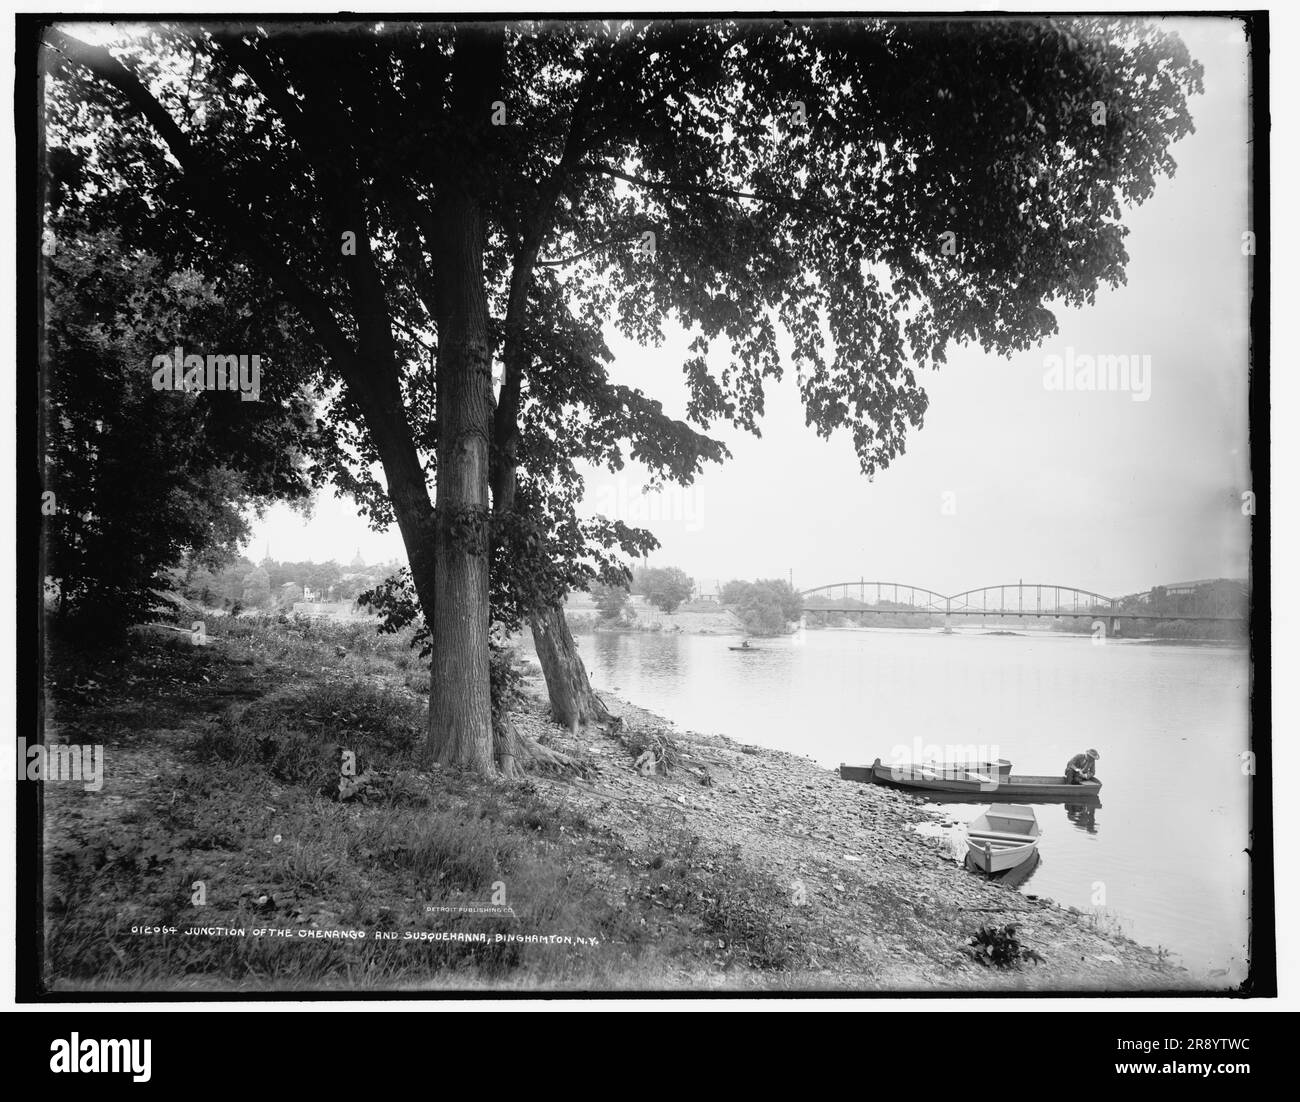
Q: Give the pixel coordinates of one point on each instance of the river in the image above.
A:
(1162, 858)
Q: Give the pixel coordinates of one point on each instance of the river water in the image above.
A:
(1162, 858)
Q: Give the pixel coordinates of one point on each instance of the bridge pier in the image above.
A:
(1114, 626)
(803, 621)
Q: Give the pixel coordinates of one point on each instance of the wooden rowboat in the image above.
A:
(1013, 877)
(744, 648)
(1023, 786)
(1002, 838)
(981, 771)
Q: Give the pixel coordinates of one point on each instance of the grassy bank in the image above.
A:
(725, 867)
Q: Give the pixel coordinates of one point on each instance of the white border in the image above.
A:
(1284, 32)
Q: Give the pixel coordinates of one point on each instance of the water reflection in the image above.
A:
(624, 651)
(1084, 815)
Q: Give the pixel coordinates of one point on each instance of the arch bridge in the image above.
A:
(1210, 600)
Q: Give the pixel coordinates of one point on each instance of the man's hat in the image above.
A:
(1094, 754)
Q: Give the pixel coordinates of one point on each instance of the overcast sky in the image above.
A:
(1008, 479)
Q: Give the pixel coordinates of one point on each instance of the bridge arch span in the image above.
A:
(964, 601)
(874, 592)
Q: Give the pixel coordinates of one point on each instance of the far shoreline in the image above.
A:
(586, 629)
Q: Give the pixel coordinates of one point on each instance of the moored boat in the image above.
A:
(1002, 838)
(1013, 877)
(1022, 786)
(978, 771)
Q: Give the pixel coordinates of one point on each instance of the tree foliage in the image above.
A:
(141, 478)
(765, 607)
(612, 601)
(796, 175)
(665, 587)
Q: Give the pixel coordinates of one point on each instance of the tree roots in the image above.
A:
(515, 754)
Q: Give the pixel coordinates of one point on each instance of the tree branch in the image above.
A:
(690, 189)
(792, 202)
(505, 419)
(338, 178)
(561, 261)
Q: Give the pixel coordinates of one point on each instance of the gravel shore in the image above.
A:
(892, 906)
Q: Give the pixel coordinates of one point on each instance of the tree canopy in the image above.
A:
(665, 587)
(844, 198)
(765, 607)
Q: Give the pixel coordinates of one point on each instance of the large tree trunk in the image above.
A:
(460, 709)
(460, 712)
(573, 702)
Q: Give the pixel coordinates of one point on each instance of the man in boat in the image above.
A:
(1081, 767)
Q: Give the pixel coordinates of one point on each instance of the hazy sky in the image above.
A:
(1008, 479)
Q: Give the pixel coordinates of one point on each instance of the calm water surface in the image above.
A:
(1162, 857)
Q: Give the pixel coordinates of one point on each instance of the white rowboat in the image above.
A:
(1003, 837)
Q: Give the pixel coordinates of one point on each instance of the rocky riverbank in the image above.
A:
(888, 907)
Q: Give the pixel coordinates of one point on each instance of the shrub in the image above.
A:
(998, 947)
(506, 676)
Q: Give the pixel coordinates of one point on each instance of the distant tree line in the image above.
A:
(904, 615)
(764, 607)
(665, 587)
(1226, 597)
(1225, 630)
(243, 584)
